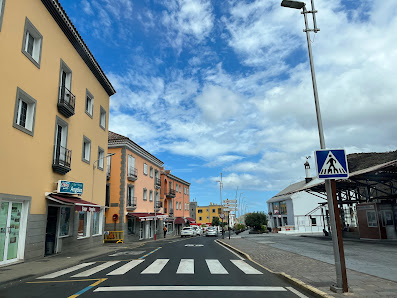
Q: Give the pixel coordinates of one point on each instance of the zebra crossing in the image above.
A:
(186, 266)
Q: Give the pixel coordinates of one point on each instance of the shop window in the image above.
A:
(82, 230)
(131, 226)
(371, 218)
(283, 207)
(64, 221)
(285, 221)
(96, 225)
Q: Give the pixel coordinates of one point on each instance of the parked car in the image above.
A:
(197, 230)
(188, 231)
(212, 231)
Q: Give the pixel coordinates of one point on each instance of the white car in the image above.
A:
(188, 231)
(197, 230)
(212, 231)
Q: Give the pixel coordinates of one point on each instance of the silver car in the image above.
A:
(212, 231)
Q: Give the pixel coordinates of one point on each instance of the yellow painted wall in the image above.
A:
(114, 182)
(207, 211)
(26, 161)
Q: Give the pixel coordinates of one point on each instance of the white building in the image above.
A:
(294, 211)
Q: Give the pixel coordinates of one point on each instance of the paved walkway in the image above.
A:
(313, 272)
(18, 272)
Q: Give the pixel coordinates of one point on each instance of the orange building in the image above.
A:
(133, 190)
(175, 196)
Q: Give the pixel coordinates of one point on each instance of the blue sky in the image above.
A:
(225, 86)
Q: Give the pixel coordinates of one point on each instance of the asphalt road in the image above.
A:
(193, 267)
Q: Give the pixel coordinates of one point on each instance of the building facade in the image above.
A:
(55, 120)
(205, 214)
(133, 190)
(175, 199)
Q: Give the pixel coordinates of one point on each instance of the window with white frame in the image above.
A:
(97, 223)
(2, 4)
(176, 187)
(151, 172)
(145, 168)
(25, 112)
(151, 196)
(102, 118)
(131, 166)
(89, 103)
(64, 221)
(180, 206)
(180, 190)
(145, 194)
(101, 157)
(32, 43)
(83, 229)
(184, 190)
(86, 149)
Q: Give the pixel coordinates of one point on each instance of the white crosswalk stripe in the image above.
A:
(243, 266)
(65, 271)
(96, 269)
(216, 267)
(156, 267)
(186, 266)
(125, 268)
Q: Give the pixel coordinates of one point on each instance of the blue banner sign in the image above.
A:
(70, 187)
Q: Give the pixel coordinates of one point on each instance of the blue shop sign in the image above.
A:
(70, 187)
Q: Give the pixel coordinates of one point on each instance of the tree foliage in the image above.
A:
(215, 221)
(256, 220)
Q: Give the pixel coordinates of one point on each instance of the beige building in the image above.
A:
(54, 118)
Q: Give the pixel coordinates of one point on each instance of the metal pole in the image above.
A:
(338, 245)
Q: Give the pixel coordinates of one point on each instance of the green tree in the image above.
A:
(215, 221)
(256, 220)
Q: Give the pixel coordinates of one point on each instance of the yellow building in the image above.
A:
(54, 119)
(205, 214)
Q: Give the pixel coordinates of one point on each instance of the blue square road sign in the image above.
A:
(331, 163)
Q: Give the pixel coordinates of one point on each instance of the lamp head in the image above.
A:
(292, 4)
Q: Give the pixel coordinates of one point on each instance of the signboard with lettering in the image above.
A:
(70, 187)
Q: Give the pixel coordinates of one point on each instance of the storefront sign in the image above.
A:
(70, 187)
(87, 208)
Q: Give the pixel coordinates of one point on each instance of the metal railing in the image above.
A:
(132, 172)
(158, 181)
(62, 156)
(131, 202)
(67, 98)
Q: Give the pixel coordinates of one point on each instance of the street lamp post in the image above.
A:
(341, 277)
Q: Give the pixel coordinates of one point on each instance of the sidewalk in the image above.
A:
(313, 273)
(18, 272)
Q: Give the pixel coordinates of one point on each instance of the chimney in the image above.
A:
(307, 170)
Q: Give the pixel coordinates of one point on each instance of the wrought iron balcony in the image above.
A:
(158, 205)
(132, 174)
(66, 102)
(157, 182)
(62, 159)
(171, 193)
(131, 203)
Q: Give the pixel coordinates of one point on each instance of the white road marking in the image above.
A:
(216, 267)
(65, 271)
(237, 255)
(243, 266)
(299, 294)
(96, 269)
(155, 267)
(186, 266)
(125, 268)
(190, 288)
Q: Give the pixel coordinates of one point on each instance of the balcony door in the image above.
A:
(65, 83)
(131, 165)
(61, 142)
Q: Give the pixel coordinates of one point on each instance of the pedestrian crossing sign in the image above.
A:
(331, 163)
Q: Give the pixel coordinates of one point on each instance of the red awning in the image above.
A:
(191, 220)
(79, 204)
(179, 220)
(146, 216)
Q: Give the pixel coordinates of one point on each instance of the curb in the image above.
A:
(297, 282)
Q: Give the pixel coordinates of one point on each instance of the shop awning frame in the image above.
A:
(79, 204)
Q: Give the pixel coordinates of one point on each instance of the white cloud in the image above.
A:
(223, 159)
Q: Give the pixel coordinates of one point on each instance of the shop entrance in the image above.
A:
(10, 222)
(51, 231)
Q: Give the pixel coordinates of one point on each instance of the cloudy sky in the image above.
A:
(214, 87)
